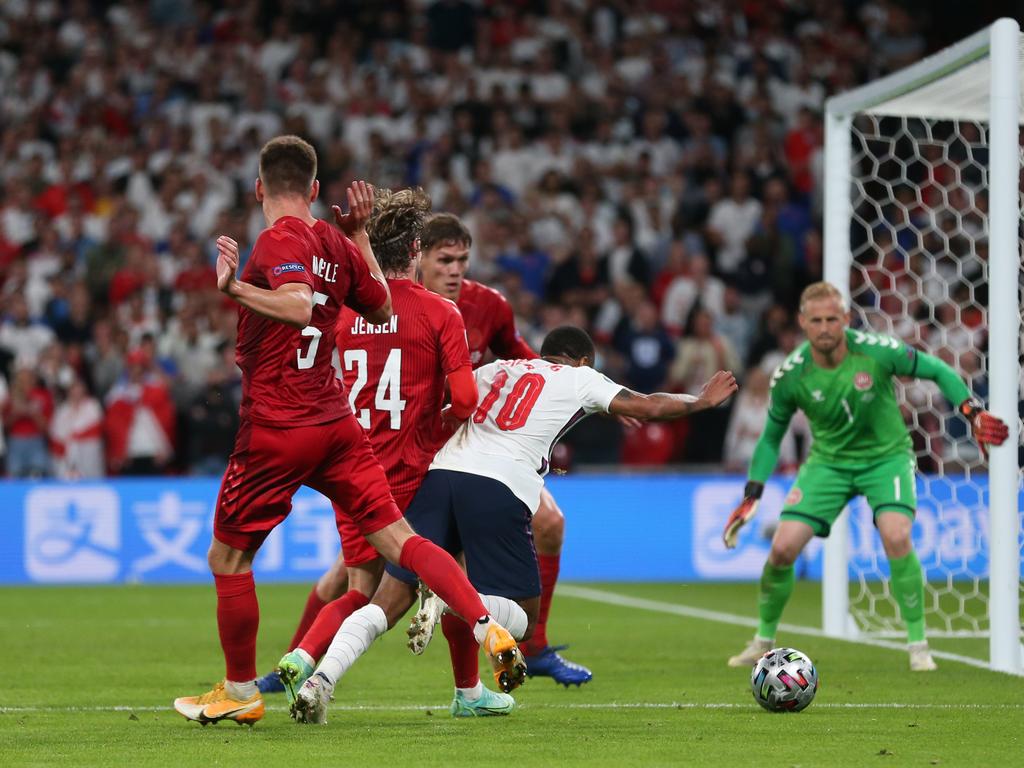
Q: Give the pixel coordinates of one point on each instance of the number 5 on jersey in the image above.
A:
(388, 398)
(304, 361)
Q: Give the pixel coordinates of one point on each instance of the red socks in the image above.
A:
(313, 606)
(442, 574)
(238, 620)
(548, 577)
(327, 622)
(464, 650)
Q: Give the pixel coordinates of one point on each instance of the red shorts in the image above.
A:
(269, 464)
(354, 546)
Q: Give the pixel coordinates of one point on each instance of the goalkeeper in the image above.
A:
(842, 379)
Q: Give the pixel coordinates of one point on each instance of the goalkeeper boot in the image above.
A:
(221, 704)
(506, 660)
(490, 704)
(270, 683)
(549, 663)
(755, 649)
(921, 657)
(424, 621)
(311, 701)
(293, 670)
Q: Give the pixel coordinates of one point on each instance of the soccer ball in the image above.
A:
(784, 680)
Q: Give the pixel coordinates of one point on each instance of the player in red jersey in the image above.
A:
(395, 374)
(296, 425)
(490, 325)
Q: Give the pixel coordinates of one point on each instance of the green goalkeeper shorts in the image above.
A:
(821, 491)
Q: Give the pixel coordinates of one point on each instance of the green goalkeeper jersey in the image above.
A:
(852, 409)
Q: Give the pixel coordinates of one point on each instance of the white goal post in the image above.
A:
(969, 96)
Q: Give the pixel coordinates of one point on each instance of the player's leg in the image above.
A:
(501, 561)
(297, 665)
(815, 500)
(354, 479)
(541, 658)
(330, 586)
(891, 492)
(439, 571)
(263, 473)
(363, 572)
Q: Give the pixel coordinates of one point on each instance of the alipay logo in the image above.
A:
(72, 534)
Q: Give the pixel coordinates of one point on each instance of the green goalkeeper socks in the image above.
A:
(908, 589)
(776, 587)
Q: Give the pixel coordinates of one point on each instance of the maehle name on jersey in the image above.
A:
(361, 327)
(326, 270)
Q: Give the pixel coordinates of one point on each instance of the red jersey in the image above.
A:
(395, 375)
(490, 324)
(287, 376)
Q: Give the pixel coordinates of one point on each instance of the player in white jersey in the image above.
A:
(480, 493)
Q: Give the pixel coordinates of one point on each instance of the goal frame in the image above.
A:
(1000, 44)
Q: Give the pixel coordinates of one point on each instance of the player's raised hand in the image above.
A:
(987, 428)
(743, 513)
(227, 263)
(360, 206)
(718, 389)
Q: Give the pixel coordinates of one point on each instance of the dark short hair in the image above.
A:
(396, 222)
(287, 166)
(568, 341)
(444, 229)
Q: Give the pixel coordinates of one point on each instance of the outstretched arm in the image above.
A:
(987, 428)
(662, 406)
(291, 303)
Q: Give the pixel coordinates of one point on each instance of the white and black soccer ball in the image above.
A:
(784, 680)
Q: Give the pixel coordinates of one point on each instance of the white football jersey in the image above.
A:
(525, 406)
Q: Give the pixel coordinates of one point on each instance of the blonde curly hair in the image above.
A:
(395, 226)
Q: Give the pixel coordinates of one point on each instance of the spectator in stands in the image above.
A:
(746, 423)
(140, 421)
(582, 279)
(26, 420)
(76, 435)
(731, 223)
(648, 349)
(20, 336)
(684, 293)
(212, 423)
(702, 349)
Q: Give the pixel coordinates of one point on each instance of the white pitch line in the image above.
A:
(613, 598)
(607, 705)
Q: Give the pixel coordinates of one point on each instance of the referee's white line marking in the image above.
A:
(612, 598)
(607, 705)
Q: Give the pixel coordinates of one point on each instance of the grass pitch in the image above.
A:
(91, 673)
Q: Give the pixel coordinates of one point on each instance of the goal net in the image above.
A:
(916, 234)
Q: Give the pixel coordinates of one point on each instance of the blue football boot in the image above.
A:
(548, 663)
(270, 683)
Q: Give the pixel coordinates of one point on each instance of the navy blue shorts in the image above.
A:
(468, 513)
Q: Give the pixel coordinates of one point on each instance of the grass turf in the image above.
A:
(661, 694)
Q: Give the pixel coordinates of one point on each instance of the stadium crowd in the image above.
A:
(648, 170)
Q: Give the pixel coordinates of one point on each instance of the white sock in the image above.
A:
(508, 613)
(472, 694)
(241, 691)
(305, 657)
(357, 632)
(480, 629)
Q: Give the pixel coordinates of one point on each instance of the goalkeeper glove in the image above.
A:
(987, 428)
(743, 514)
